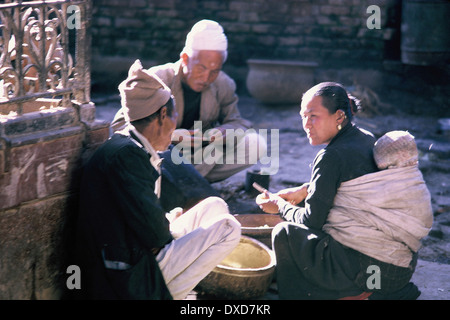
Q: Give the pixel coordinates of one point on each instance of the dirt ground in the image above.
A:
(295, 156)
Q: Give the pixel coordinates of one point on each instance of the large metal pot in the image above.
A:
(259, 226)
(279, 81)
(245, 273)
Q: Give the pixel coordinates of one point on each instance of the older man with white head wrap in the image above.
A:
(206, 35)
(206, 102)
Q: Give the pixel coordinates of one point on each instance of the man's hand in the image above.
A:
(187, 137)
(173, 214)
(214, 134)
(194, 138)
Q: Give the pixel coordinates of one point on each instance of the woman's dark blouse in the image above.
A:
(348, 156)
(321, 267)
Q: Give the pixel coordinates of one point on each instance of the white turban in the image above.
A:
(206, 35)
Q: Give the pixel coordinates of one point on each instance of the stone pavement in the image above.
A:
(295, 155)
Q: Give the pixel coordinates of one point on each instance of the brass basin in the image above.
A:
(245, 273)
(259, 226)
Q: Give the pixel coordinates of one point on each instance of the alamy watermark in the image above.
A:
(374, 20)
(235, 147)
(73, 17)
(374, 280)
(74, 280)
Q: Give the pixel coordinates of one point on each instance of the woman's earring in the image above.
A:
(339, 127)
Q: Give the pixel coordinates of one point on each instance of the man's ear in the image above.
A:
(162, 115)
(184, 58)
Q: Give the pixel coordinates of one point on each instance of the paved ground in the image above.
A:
(432, 274)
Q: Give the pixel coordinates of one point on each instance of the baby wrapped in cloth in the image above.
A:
(385, 214)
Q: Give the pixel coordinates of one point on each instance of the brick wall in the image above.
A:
(333, 33)
(321, 30)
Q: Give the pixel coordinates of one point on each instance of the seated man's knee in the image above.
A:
(261, 142)
(229, 220)
(216, 206)
(216, 203)
(228, 226)
(235, 233)
(255, 141)
(251, 147)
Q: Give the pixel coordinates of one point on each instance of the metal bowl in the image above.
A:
(246, 273)
(259, 226)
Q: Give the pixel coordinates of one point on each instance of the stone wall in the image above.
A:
(320, 30)
(41, 154)
(333, 33)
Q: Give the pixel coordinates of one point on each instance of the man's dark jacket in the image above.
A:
(120, 222)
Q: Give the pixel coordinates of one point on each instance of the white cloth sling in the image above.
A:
(383, 214)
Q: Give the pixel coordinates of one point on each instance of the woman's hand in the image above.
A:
(294, 195)
(268, 202)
